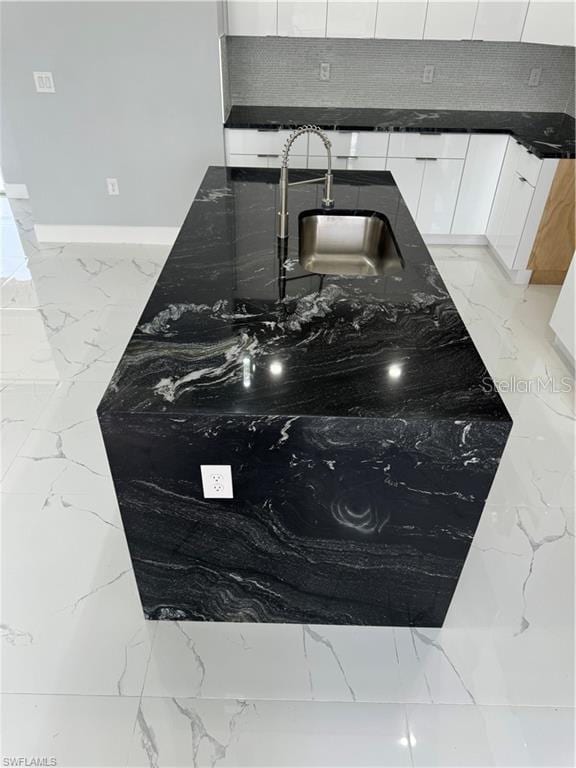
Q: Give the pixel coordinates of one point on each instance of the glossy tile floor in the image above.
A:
(88, 682)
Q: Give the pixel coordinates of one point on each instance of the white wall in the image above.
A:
(563, 318)
(137, 98)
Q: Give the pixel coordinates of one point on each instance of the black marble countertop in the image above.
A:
(546, 134)
(236, 326)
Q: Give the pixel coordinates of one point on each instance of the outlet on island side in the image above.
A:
(217, 481)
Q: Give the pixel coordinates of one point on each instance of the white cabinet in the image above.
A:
(428, 145)
(351, 18)
(500, 20)
(401, 20)
(514, 218)
(252, 17)
(366, 164)
(262, 149)
(549, 21)
(438, 195)
(518, 205)
(303, 18)
(450, 19)
(479, 181)
(408, 174)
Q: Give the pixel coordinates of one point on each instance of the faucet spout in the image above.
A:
(327, 201)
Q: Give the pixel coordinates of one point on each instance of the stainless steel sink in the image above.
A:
(342, 242)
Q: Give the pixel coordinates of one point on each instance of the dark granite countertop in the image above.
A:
(223, 331)
(546, 134)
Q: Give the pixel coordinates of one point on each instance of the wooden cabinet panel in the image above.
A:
(555, 240)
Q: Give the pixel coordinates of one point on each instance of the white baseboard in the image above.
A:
(80, 233)
(564, 353)
(16, 191)
(455, 239)
(516, 276)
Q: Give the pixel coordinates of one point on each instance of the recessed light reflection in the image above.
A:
(395, 371)
(276, 368)
(405, 741)
(246, 371)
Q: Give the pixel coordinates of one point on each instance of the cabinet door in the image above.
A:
(549, 21)
(252, 17)
(303, 18)
(514, 219)
(439, 194)
(450, 19)
(351, 18)
(340, 141)
(505, 181)
(500, 20)
(400, 20)
(479, 181)
(408, 174)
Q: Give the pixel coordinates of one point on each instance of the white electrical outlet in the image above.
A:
(44, 82)
(325, 71)
(217, 481)
(112, 186)
(535, 75)
(428, 74)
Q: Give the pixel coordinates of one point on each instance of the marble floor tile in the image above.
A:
(75, 624)
(468, 736)
(183, 732)
(71, 731)
(21, 404)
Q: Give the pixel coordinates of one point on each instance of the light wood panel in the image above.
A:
(555, 240)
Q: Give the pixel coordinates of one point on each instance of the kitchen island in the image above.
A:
(358, 419)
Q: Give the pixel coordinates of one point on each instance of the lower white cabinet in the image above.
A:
(439, 194)
(518, 205)
(408, 174)
(479, 181)
(514, 218)
(429, 188)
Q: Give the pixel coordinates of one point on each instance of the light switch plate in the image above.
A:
(217, 481)
(44, 82)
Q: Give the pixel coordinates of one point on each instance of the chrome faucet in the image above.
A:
(327, 201)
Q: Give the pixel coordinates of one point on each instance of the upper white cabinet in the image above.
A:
(450, 19)
(549, 21)
(303, 18)
(401, 20)
(252, 17)
(500, 20)
(351, 18)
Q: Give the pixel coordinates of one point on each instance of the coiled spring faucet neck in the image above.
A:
(327, 201)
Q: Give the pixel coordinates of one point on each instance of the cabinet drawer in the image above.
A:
(247, 161)
(367, 164)
(340, 141)
(248, 141)
(319, 161)
(528, 165)
(450, 145)
(369, 144)
(264, 160)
